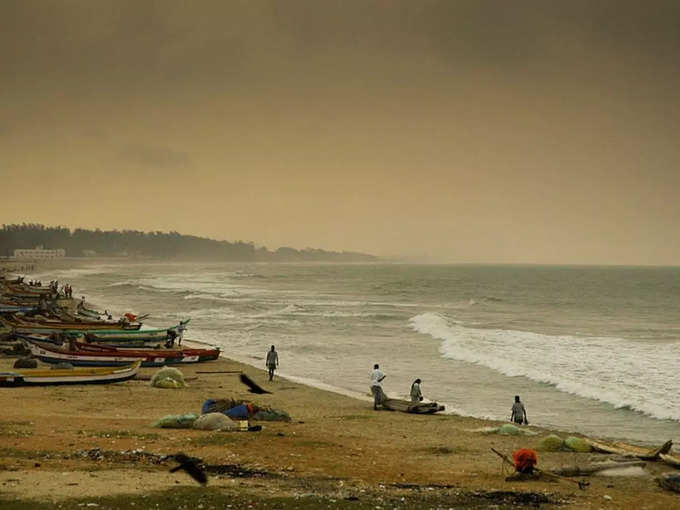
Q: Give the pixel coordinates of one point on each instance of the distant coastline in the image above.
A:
(133, 244)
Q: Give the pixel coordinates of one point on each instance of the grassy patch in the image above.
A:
(357, 417)
(189, 498)
(443, 450)
(124, 434)
(313, 444)
(15, 428)
(216, 439)
(17, 453)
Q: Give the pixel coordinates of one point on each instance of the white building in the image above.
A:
(39, 253)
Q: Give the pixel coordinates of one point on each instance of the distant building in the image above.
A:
(39, 253)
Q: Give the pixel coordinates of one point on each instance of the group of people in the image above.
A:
(379, 396)
(518, 413)
(175, 334)
(34, 283)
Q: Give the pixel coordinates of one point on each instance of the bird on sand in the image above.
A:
(192, 466)
(254, 387)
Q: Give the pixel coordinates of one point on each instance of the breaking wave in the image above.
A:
(620, 372)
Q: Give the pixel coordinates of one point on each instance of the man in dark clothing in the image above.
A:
(519, 414)
(272, 362)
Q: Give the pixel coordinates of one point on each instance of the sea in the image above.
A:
(594, 350)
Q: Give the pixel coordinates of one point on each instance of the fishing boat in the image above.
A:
(97, 355)
(21, 325)
(406, 406)
(59, 338)
(44, 377)
(128, 336)
(629, 450)
(7, 308)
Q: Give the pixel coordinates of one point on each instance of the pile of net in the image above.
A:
(215, 421)
(506, 430)
(553, 443)
(264, 413)
(168, 377)
(176, 421)
(25, 363)
(577, 444)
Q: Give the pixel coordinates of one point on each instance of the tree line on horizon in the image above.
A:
(82, 242)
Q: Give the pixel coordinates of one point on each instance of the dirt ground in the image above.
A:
(64, 442)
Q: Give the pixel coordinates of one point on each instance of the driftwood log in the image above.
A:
(582, 484)
(590, 469)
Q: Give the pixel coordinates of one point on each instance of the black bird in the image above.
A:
(192, 465)
(254, 387)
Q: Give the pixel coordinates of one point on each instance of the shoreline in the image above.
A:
(336, 448)
(80, 264)
(335, 444)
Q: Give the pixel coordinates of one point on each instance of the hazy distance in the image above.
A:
(457, 131)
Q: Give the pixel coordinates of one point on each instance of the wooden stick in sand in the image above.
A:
(582, 484)
(217, 372)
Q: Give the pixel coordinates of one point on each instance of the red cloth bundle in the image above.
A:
(525, 460)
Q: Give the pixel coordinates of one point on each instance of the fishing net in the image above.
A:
(577, 444)
(25, 363)
(551, 443)
(176, 421)
(168, 377)
(215, 421)
(264, 413)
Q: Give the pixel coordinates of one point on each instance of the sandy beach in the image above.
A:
(336, 451)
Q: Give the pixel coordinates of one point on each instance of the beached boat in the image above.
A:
(58, 339)
(96, 355)
(44, 377)
(671, 460)
(406, 406)
(21, 325)
(6, 308)
(130, 336)
(629, 450)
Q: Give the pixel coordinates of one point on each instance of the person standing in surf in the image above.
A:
(519, 413)
(272, 362)
(376, 386)
(416, 392)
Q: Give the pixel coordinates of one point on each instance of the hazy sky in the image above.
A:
(464, 131)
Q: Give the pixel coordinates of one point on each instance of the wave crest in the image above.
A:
(613, 370)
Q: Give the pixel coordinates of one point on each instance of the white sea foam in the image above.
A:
(621, 372)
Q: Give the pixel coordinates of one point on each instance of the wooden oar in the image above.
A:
(582, 484)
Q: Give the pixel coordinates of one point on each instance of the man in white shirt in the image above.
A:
(376, 386)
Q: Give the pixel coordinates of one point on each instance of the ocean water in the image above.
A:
(589, 349)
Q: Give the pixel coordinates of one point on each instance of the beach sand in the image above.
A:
(337, 451)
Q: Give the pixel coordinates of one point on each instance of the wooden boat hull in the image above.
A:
(627, 450)
(102, 356)
(671, 460)
(42, 377)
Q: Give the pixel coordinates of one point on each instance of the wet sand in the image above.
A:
(336, 447)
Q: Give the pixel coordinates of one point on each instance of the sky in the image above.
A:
(524, 131)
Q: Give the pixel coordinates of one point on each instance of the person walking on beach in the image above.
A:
(519, 414)
(376, 386)
(416, 393)
(180, 332)
(272, 362)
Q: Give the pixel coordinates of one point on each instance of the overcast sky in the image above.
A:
(462, 131)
